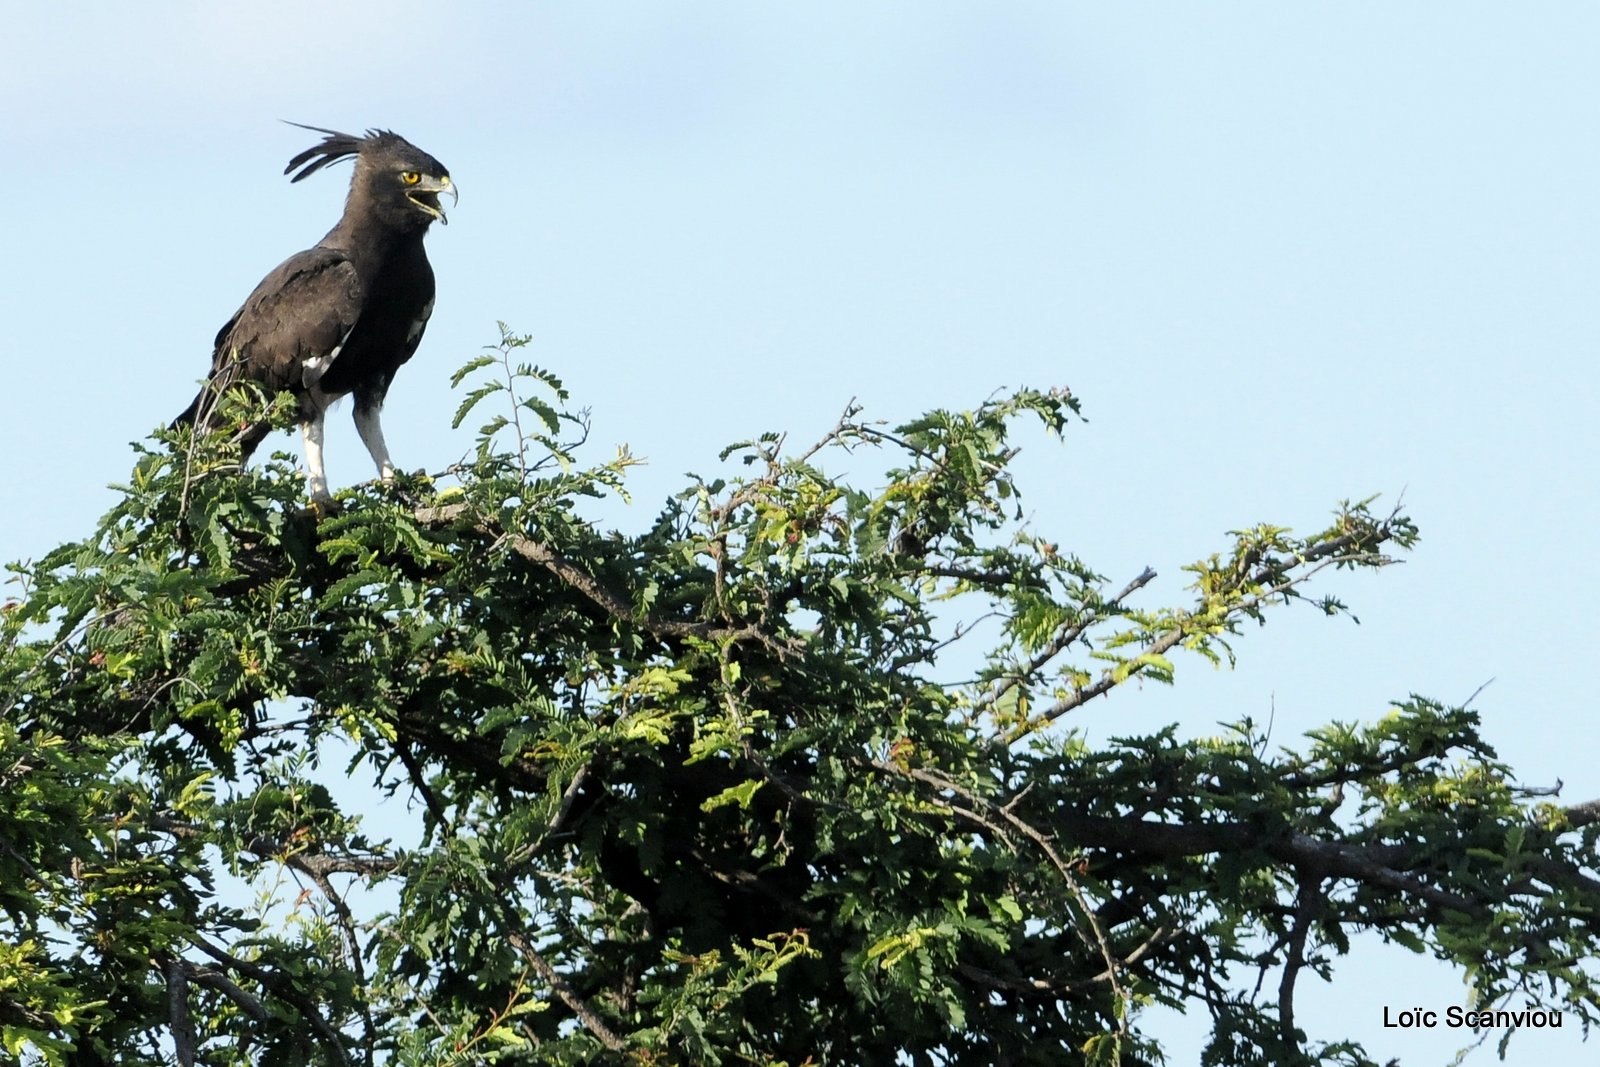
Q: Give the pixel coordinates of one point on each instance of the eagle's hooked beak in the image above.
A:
(425, 194)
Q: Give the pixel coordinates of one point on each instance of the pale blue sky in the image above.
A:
(1284, 253)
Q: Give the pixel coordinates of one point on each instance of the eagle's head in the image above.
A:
(395, 180)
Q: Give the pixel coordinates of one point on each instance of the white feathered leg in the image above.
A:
(316, 476)
(368, 426)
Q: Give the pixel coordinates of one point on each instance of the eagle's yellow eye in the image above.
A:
(410, 177)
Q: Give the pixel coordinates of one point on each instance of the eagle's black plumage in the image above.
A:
(342, 316)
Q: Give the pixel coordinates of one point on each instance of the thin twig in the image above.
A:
(1047, 846)
(347, 927)
(579, 1007)
(1064, 639)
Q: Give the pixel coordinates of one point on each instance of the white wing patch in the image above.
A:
(418, 326)
(312, 370)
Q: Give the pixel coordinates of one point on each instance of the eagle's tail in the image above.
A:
(202, 415)
(191, 412)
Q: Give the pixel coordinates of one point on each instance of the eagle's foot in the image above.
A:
(411, 490)
(321, 507)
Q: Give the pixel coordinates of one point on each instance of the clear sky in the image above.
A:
(1285, 254)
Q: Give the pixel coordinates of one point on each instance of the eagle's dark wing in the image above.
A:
(288, 331)
(292, 326)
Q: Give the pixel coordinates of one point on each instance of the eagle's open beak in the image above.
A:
(425, 194)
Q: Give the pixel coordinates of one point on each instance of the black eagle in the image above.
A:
(342, 316)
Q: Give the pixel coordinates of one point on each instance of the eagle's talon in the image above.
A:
(404, 488)
(319, 508)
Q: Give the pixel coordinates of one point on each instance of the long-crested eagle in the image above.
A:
(342, 316)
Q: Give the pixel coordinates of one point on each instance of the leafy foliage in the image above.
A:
(703, 793)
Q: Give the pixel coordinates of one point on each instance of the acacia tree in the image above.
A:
(757, 785)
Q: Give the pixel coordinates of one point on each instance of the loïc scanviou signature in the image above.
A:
(1457, 1018)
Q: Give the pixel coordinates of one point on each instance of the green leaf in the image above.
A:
(735, 794)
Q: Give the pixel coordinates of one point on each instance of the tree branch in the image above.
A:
(1005, 814)
(1305, 912)
(1345, 548)
(178, 1011)
(215, 979)
(568, 996)
(281, 988)
(315, 864)
(542, 554)
(1065, 638)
